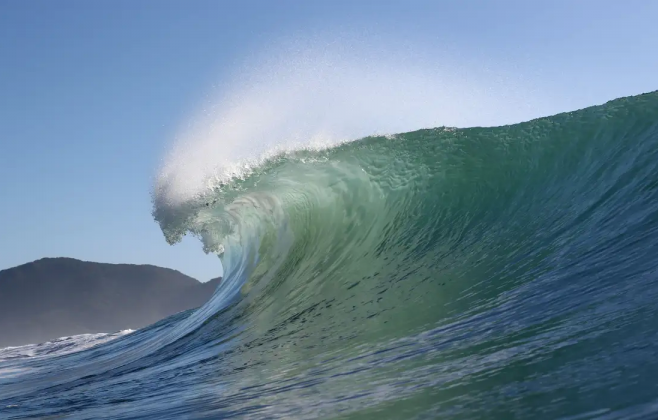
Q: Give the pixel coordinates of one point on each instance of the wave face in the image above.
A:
(465, 273)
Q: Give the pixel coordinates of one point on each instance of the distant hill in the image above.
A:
(57, 297)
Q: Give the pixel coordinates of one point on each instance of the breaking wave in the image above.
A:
(488, 272)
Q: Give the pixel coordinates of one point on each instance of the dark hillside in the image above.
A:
(56, 297)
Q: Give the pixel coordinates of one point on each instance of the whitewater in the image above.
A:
(379, 263)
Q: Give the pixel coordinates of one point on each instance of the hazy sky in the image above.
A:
(93, 93)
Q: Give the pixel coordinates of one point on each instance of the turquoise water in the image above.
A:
(505, 272)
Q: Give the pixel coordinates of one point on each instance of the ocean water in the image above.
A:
(479, 273)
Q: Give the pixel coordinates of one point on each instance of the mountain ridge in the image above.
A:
(55, 297)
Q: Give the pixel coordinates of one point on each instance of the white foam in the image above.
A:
(58, 346)
(321, 95)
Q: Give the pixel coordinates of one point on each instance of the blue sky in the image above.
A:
(92, 93)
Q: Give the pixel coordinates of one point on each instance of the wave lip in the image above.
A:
(306, 100)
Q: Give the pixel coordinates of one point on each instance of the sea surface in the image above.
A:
(478, 273)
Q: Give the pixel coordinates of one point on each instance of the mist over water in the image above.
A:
(316, 96)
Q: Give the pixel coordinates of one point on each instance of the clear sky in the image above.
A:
(93, 92)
